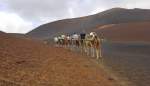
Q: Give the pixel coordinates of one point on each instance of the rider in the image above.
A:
(82, 37)
(75, 39)
(82, 41)
(56, 40)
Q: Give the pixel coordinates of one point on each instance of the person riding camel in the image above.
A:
(92, 35)
(88, 44)
(75, 41)
(82, 41)
(68, 41)
(56, 40)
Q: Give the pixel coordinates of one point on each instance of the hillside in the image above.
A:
(88, 23)
(126, 31)
(26, 62)
(18, 35)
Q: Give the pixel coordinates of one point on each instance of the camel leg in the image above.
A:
(84, 49)
(100, 53)
(97, 53)
(71, 45)
(87, 51)
(92, 52)
(74, 45)
(81, 49)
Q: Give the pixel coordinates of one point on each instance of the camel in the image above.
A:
(93, 45)
(88, 43)
(62, 40)
(97, 45)
(56, 40)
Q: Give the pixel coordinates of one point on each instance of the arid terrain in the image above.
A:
(118, 16)
(25, 62)
(130, 60)
(134, 32)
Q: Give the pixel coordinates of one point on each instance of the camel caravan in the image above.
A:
(90, 43)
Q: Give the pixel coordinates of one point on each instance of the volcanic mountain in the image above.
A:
(89, 23)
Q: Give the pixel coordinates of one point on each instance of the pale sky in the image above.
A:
(21, 16)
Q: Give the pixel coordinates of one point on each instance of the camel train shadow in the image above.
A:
(85, 43)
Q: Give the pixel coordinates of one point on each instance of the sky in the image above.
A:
(22, 16)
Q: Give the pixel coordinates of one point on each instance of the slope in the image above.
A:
(87, 23)
(26, 62)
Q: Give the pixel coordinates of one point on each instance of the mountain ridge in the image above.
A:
(88, 23)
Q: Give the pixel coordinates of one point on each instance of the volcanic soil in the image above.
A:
(26, 62)
(133, 32)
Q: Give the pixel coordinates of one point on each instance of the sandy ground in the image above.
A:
(129, 60)
(24, 62)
